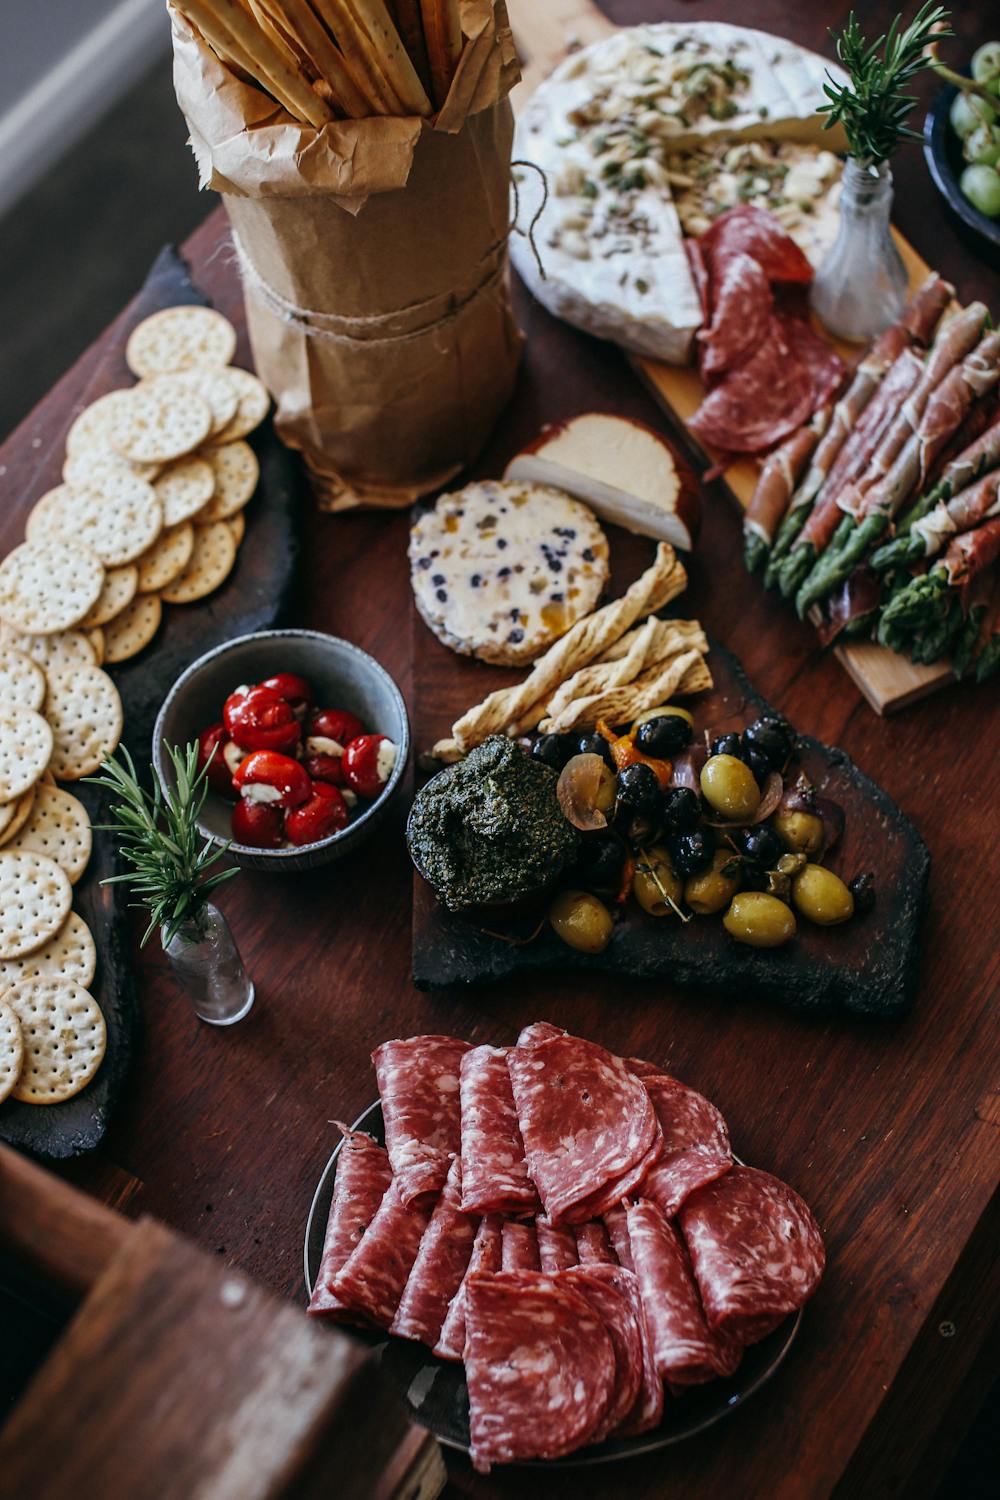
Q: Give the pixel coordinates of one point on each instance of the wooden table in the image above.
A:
(891, 1134)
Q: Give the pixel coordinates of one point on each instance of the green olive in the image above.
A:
(729, 787)
(650, 870)
(581, 921)
(822, 896)
(760, 920)
(659, 713)
(604, 798)
(715, 887)
(801, 832)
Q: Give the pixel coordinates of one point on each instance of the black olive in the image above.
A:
(759, 763)
(594, 744)
(769, 741)
(862, 888)
(691, 852)
(728, 744)
(663, 736)
(600, 865)
(639, 790)
(762, 844)
(554, 749)
(681, 809)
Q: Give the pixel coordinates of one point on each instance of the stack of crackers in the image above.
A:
(156, 477)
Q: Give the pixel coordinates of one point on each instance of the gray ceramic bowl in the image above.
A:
(342, 675)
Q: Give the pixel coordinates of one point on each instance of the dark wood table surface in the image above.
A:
(889, 1132)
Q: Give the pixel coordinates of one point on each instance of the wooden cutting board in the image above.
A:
(544, 34)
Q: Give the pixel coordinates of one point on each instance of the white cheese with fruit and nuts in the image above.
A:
(604, 128)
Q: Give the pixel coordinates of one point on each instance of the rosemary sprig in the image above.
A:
(875, 105)
(158, 836)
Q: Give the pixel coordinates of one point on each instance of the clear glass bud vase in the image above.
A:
(206, 962)
(861, 286)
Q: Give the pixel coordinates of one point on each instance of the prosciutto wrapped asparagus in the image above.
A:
(957, 482)
(925, 601)
(778, 477)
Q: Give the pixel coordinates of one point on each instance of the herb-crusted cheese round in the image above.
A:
(500, 570)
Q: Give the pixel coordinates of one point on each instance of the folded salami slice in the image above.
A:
(695, 1143)
(539, 1364)
(761, 401)
(371, 1281)
(741, 314)
(647, 1412)
(363, 1174)
(593, 1245)
(585, 1120)
(494, 1172)
(441, 1263)
(538, 1031)
(418, 1081)
(616, 1223)
(486, 1251)
(556, 1247)
(685, 1350)
(519, 1247)
(756, 1250)
(604, 1289)
(752, 231)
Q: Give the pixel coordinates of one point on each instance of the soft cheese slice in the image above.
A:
(500, 570)
(622, 469)
(602, 128)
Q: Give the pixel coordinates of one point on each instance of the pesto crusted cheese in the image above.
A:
(489, 831)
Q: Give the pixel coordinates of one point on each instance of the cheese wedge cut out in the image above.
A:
(622, 469)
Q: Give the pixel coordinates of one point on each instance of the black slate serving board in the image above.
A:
(867, 966)
(256, 595)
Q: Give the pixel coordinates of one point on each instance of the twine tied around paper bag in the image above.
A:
(529, 233)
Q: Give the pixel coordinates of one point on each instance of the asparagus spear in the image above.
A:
(979, 458)
(988, 659)
(937, 639)
(776, 485)
(967, 640)
(921, 603)
(839, 561)
(797, 566)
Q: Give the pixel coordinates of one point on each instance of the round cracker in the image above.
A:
(70, 954)
(184, 488)
(178, 338)
(85, 712)
(159, 426)
(90, 430)
(236, 474)
(52, 652)
(166, 561)
(133, 629)
(96, 638)
(25, 751)
(22, 681)
(90, 467)
(237, 525)
(211, 563)
(14, 815)
(35, 898)
(118, 522)
(11, 1050)
(59, 826)
(210, 383)
(65, 1038)
(253, 403)
(120, 585)
(49, 585)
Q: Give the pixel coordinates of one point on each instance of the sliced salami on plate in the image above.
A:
(556, 1247)
(593, 1245)
(371, 1281)
(695, 1143)
(441, 1263)
(604, 1289)
(486, 1256)
(494, 1172)
(363, 1175)
(418, 1082)
(519, 1247)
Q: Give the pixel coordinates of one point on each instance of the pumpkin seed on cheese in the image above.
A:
(502, 569)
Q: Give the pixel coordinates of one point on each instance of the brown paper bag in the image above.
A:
(374, 262)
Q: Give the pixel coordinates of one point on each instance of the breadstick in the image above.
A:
(654, 642)
(288, 45)
(224, 23)
(406, 14)
(619, 704)
(577, 648)
(323, 55)
(666, 634)
(443, 35)
(350, 36)
(391, 55)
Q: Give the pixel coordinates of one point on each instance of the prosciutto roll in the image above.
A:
(494, 1172)
(363, 1175)
(556, 1247)
(441, 1264)
(486, 1252)
(756, 1250)
(540, 1367)
(695, 1143)
(418, 1082)
(371, 1281)
(587, 1123)
(686, 1351)
(778, 478)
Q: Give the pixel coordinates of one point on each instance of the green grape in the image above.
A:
(981, 185)
(968, 112)
(986, 62)
(983, 145)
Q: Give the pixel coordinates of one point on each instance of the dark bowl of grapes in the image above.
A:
(962, 149)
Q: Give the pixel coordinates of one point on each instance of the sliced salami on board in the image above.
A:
(363, 1175)
(540, 1367)
(756, 1250)
(418, 1082)
(695, 1143)
(494, 1172)
(586, 1123)
(441, 1263)
(371, 1281)
(686, 1351)
(486, 1255)
(604, 1290)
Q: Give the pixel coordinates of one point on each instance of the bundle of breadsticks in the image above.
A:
(323, 60)
(611, 665)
